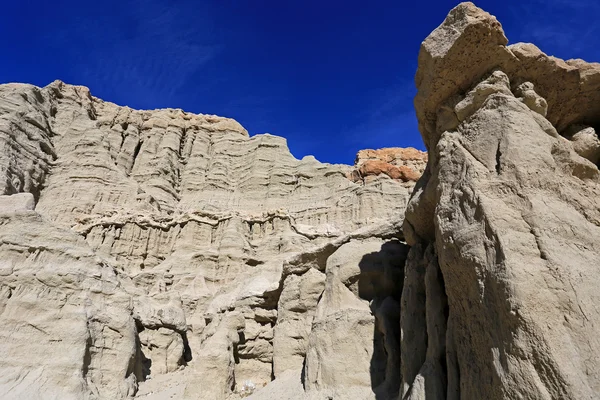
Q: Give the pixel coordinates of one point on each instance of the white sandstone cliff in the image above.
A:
(162, 253)
(504, 224)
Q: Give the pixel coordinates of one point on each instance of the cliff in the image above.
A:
(162, 254)
(170, 253)
(504, 224)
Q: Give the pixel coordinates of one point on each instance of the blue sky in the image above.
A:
(333, 77)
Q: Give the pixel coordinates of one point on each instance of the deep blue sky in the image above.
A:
(331, 76)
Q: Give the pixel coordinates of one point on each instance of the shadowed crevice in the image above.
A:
(380, 282)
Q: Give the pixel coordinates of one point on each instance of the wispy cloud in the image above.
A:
(149, 48)
(397, 129)
(388, 119)
(565, 28)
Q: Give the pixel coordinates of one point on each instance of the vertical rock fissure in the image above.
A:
(413, 322)
(498, 156)
(187, 351)
(87, 357)
(141, 366)
(136, 152)
(435, 369)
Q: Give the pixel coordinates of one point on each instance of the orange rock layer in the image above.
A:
(405, 164)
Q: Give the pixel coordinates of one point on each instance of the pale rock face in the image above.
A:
(363, 285)
(161, 254)
(67, 330)
(165, 254)
(343, 338)
(504, 224)
(296, 311)
(21, 202)
(585, 142)
(164, 347)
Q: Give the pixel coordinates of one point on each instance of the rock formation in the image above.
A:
(406, 164)
(504, 225)
(162, 253)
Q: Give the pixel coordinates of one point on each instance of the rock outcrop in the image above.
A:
(162, 253)
(504, 225)
(405, 164)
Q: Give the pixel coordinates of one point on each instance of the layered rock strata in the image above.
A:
(162, 253)
(405, 164)
(504, 224)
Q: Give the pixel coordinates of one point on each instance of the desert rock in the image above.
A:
(504, 224)
(158, 254)
(163, 253)
(404, 164)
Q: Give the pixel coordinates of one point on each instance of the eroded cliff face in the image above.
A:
(504, 225)
(162, 253)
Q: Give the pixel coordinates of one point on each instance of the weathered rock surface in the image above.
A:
(67, 330)
(162, 253)
(504, 224)
(405, 164)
